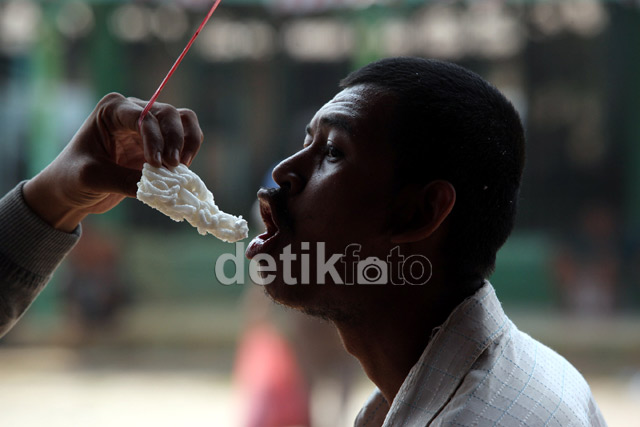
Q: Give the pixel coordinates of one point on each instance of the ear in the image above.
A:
(430, 207)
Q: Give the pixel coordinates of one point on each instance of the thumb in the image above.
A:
(110, 177)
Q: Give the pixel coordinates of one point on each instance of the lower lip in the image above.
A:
(261, 245)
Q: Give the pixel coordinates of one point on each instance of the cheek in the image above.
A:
(350, 212)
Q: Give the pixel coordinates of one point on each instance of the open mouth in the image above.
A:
(269, 221)
(265, 241)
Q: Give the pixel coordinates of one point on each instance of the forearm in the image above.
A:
(30, 251)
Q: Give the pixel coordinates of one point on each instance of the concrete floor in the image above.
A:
(49, 386)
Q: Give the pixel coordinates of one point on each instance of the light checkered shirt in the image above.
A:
(480, 370)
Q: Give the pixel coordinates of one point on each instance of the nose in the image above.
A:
(286, 174)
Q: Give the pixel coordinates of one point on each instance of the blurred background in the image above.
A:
(135, 329)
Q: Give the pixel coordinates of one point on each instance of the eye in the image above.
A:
(333, 153)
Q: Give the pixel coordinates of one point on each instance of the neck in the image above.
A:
(389, 342)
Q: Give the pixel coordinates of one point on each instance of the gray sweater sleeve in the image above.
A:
(30, 251)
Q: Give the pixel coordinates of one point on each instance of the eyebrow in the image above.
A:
(334, 120)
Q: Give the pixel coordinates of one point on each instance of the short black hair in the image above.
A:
(451, 124)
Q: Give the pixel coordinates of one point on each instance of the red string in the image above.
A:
(175, 65)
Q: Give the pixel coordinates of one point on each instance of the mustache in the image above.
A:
(278, 198)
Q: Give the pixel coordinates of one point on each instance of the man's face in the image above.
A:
(336, 190)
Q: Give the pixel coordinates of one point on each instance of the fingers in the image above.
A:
(172, 134)
(193, 135)
(152, 141)
(115, 114)
(169, 135)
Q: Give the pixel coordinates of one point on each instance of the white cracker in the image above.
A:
(180, 194)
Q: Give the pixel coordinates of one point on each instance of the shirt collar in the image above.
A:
(471, 327)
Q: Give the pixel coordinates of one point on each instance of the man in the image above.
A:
(414, 167)
(416, 159)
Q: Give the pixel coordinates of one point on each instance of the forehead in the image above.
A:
(350, 103)
(361, 109)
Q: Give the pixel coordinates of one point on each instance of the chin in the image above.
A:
(289, 295)
(313, 300)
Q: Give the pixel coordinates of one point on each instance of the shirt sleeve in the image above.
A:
(30, 251)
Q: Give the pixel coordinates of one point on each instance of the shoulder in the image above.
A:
(518, 380)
